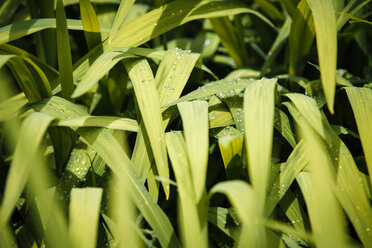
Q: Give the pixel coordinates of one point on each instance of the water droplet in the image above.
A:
(207, 42)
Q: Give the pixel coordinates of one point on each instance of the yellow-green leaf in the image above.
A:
(326, 37)
(85, 204)
(195, 124)
(258, 124)
(148, 101)
(361, 102)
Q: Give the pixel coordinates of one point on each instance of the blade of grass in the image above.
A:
(258, 125)
(218, 87)
(270, 9)
(32, 131)
(161, 20)
(277, 45)
(25, 79)
(122, 12)
(171, 18)
(90, 22)
(253, 233)
(282, 124)
(192, 222)
(301, 37)
(171, 77)
(295, 163)
(123, 212)
(143, 81)
(231, 39)
(326, 37)
(361, 102)
(109, 149)
(97, 70)
(20, 29)
(83, 215)
(349, 191)
(49, 71)
(110, 122)
(7, 10)
(195, 124)
(49, 212)
(64, 52)
(353, 7)
(318, 187)
(230, 142)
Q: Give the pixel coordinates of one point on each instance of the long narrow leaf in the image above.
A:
(253, 232)
(195, 123)
(122, 12)
(326, 37)
(20, 29)
(32, 131)
(84, 212)
(258, 123)
(109, 149)
(109, 122)
(90, 22)
(361, 102)
(192, 222)
(64, 52)
(147, 97)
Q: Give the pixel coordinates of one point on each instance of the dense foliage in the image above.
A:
(194, 123)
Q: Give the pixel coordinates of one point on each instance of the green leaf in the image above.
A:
(192, 222)
(143, 81)
(231, 38)
(174, 70)
(282, 124)
(277, 45)
(230, 142)
(253, 233)
(258, 124)
(90, 22)
(97, 70)
(295, 163)
(326, 37)
(83, 215)
(110, 122)
(123, 213)
(4, 59)
(361, 102)
(173, 73)
(219, 115)
(32, 131)
(102, 141)
(49, 71)
(174, 14)
(25, 79)
(9, 108)
(301, 37)
(20, 29)
(270, 10)
(64, 52)
(349, 191)
(352, 8)
(224, 88)
(122, 12)
(195, 124)
(327, 220)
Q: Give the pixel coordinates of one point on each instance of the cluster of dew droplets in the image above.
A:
(232, 85)
(174, 74)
